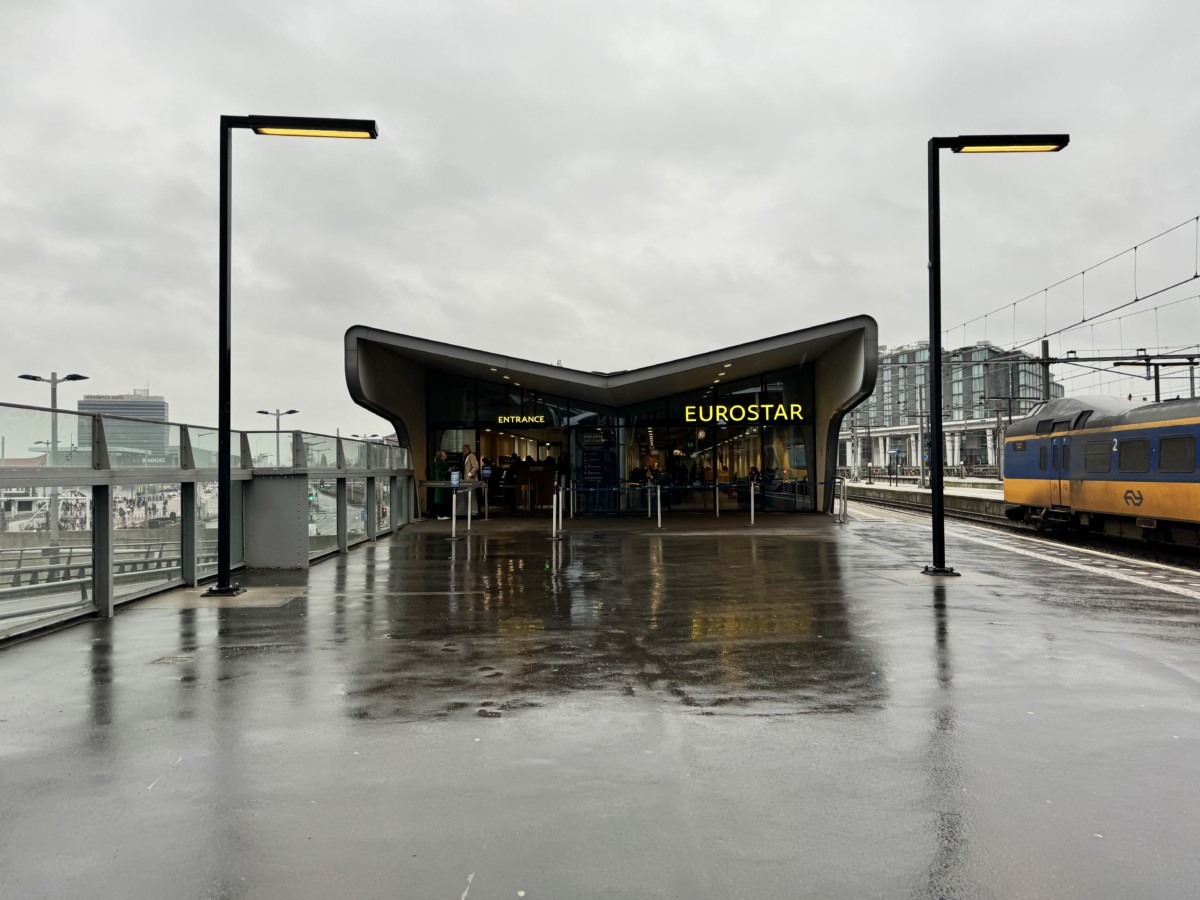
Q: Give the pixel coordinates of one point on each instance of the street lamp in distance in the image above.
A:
(288, 126)
(278, 415)
(970, 143)
(54, 381)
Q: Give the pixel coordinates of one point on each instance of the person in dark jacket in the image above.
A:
(441, 472)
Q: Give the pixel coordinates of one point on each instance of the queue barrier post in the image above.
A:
(716, 495)
(658, 502)
(554, 507)
(454, 515)
(751, 481)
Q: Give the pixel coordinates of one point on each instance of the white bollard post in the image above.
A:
(751, 480)
(649, 501)
(658, 500)
(555, 507)
(453, 514)
(470, 503)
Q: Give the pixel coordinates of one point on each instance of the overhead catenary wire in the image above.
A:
(1194, 221)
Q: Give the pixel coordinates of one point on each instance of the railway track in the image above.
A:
(1149, 551)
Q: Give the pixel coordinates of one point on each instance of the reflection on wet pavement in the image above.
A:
(698, 712)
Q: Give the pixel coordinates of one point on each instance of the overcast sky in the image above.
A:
(606, 184)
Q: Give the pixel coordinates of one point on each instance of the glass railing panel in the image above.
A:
(320, 451)
(206, 447)
(383, 502)
(45, 559)
(401, 458)
(322, 515)
(356, 512)
(270, 449)
(356, 453)
(36, 437)
(133, 443)
(147, 538)
(379, 456)
(206, 527)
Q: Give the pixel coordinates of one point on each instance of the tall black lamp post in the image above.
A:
(985, 143)
(289, 126)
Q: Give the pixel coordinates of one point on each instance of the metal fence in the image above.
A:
(98, 510)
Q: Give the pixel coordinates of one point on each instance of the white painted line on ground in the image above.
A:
(1074, 564)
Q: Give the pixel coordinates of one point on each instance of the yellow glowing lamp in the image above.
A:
(1009, 143)
(307, 126)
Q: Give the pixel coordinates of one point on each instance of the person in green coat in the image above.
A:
(441, 472)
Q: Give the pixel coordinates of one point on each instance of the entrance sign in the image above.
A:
(754, 412)
(520, 420)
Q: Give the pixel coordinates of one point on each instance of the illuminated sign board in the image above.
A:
(520, 420)
(752, 412)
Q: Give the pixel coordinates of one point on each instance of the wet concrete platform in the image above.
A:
(708, 711)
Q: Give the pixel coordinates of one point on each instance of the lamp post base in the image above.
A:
(940, 570)
(232, 591)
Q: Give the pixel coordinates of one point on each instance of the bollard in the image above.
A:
(470, 503)
(717, 496)
(658, 500)
(842, 519)
(649, 501)
(751, 480)
(554, 508)
(454, 515)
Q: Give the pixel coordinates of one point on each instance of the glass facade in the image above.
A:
(699, 449)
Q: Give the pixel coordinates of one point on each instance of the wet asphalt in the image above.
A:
(710, 711)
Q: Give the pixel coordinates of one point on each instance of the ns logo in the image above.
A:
(1133, 498)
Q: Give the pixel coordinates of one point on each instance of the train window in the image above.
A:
(1133, 455)
(1042, 457)
(1045, 426)
(1097, 457)
(1062, 425)
(1177, 454)
(1054, 465)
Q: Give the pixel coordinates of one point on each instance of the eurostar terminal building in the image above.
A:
(701, 428)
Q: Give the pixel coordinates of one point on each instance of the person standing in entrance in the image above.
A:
(441, 472)
(471, 473)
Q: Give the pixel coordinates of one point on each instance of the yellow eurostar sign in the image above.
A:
(754, 412)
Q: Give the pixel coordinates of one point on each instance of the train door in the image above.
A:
(1060, 474)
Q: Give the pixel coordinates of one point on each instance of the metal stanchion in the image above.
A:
(658, 500)
(470, 503)
(554, 535)
(717, 496)
(649, 501)
(842, 519)
(751, 502)
(454, 515)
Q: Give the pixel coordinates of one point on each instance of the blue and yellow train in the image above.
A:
(1098, 464)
